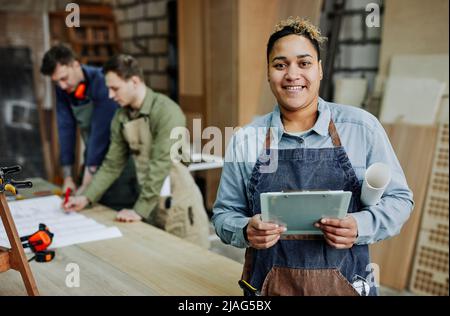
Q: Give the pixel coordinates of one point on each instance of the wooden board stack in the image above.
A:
(430, 269)
(395, 255)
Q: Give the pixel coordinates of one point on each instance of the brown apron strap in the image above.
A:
(334, 134)
(267, 143)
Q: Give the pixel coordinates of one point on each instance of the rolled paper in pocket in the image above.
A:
(376, 180)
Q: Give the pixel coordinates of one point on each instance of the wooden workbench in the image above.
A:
(145, 261)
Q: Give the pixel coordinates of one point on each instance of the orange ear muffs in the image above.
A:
(80, 91)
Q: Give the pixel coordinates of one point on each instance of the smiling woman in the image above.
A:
(295, 71)
(313, 145)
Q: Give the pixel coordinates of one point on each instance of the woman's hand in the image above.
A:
(339, 233)
(262, 235)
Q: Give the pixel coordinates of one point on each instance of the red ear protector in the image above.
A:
(80, 91)
(38, 242)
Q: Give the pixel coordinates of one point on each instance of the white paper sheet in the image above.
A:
(68, 228)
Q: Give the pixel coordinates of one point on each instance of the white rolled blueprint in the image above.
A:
(376, 180)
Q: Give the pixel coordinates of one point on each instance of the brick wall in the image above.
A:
(144, 32)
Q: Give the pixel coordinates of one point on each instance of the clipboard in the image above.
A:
(299, 211)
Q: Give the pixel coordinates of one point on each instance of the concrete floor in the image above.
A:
(237, 254)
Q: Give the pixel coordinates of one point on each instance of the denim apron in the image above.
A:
(306, 264)
(124, 191)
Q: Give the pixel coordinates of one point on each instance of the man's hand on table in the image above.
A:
(128, 216)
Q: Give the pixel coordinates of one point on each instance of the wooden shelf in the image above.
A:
(87, 22)
(86, 42)
(96, 40)
(95, 58)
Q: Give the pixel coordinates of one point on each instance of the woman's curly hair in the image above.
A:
(301, 27)
(298, 26)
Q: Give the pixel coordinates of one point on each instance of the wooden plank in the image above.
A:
(192, 103)
(411, 100)
(410, 27)
(190, 47)
(58, 178)
(4, 259)
(443, 113)
(256, 22)
(45, 140)
(433, 66)
(351, 91)
(220, 74)
(395, 255)
(221, 67)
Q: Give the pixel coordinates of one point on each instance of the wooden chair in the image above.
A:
(14, 257)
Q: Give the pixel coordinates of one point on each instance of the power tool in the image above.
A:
(38, 242)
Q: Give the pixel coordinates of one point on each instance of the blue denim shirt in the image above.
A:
(365, 142)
